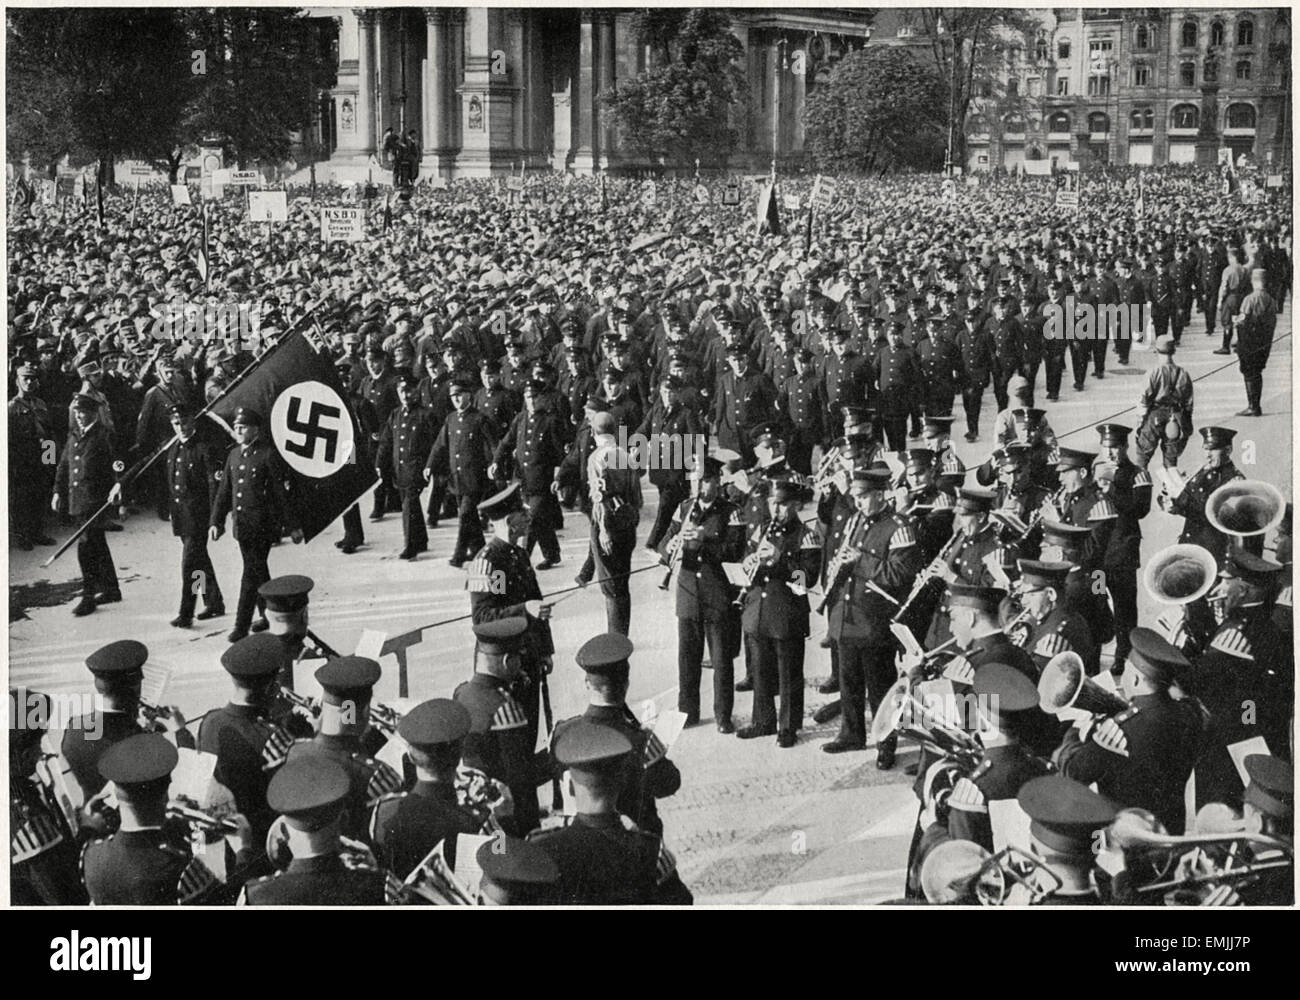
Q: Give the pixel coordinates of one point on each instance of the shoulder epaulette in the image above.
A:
(196, 879)
(1143, 478)
(904, 535)
(1051, 644)
(967, 797)
(383, 779)
(276, 747)
(1102, 510)
(655, 751)
(510, 714)
(1232, 640)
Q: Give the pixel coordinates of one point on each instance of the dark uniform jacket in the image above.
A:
(193, 470)
(255, 487)
(29, 429)
(674, 432)
(1130, 496)
(601, 863)
(890, 559)
(249, 748)
(405, 443)
(802, 403)
(531, 450)
(1248, 663)
(501, 581)
(743, 403)
(1063, 630)
(499, 405)
(146, 868)
(771, 608)
(406, 826)
(319, 881)
(82, 752)
(499, 744)
(1190, 504)
(651, 774)
(898, 375)
(463, 452)
(703, 592)
(1160, 742)
(85, 472)
(369, 778)
(998, 777)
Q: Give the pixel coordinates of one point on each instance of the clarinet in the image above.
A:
(753, 573)
(840, 564)
(676, 560)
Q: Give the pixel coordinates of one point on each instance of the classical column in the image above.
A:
(366, 80)
(435, 105)
(584, 154)
(455, 76)
(605, 84)
(515, 53)
(775, 126)
(799, 91)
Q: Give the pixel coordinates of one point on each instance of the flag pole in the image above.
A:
(140, 467)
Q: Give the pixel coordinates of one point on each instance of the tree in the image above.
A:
(964, 45)
(265, 69)
(881, 108)
(95, 84)
(689, 105)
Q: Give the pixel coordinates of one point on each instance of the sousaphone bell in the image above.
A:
(1180, 574)
(1245, 507)
(1063, 684)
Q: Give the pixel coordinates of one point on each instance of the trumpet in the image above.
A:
(930, 572)
(432, 882)
(828, 470)
(382, 717)
(1136, 832)
(197, 817)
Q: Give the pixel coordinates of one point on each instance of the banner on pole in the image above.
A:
(268, 206)
(347, 225)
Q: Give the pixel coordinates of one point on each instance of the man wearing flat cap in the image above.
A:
(1143, 755)
(85, 476)
(1248, 662)
(254, 488)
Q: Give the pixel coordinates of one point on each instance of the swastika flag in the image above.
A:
(307, 416)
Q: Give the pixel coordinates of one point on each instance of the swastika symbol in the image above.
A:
(311, 429)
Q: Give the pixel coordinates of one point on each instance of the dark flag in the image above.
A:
(204, 262)
(388, 211)
(307, 418)
(24, 196)
(99, 192)
(769, 216)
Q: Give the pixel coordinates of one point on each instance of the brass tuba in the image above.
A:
(1245, 507)
(1180, 574)
(1063, 684)
(901, 713)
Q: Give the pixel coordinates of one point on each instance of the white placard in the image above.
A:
(241, 178)
(1240, 751)
(180, 194)
(268, 206)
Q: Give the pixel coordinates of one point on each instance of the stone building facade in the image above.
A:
(489, 89)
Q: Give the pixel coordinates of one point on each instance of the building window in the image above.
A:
(1185, 116)
(1211, 71)
(1245, 32)
(1187, 74)
(1013, 87)
(1098, 86)
(1241, 116)
(1216, 33)
(1059, 122)
(1143, 37)
(1243, 69)
(1063, 49)
(1142, 118)
(1040, 49)
(1033, 87)
(1141, 76)
(1098, 121)
(1062, 87)
(1100, 45)
(977, 125)
(1189, 34)
(1014, 123)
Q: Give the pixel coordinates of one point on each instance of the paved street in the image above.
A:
(752, 823)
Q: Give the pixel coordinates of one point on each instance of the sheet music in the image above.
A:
(1240, 751)
(1010, 824)
(669, 726)
(371, 643)
(193, 776)
(467, 870)
(154, 686)
(904, 635)
(736, 575)
(392, 753)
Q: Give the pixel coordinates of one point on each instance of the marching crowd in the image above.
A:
(798, 389)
